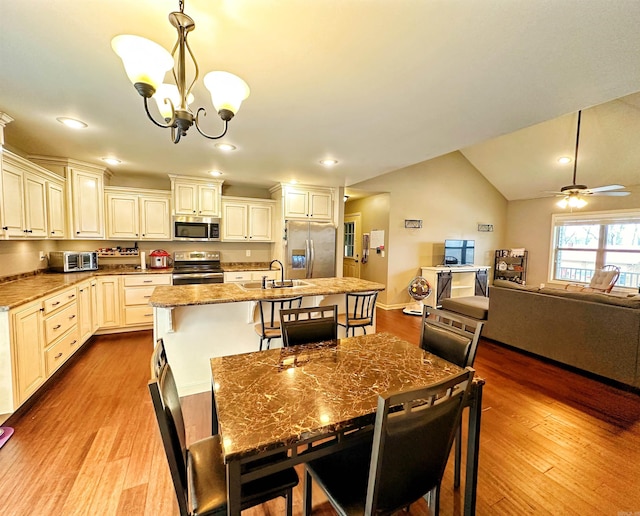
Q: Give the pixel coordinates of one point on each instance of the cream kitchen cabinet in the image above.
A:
(86, 310)
(138, 214)
(56, 210)
(137, 290)
(24, 198)
(196, 196)
(108, 302)
(242, 276)
(247, 220)
(85, 194)
(28, 351)
(305, 202)
(61, 337)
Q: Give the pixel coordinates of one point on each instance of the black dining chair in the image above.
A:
(360, 310)
(309, 325)
(269, 326)
(412, 438)
(198, 471)
(455, 338)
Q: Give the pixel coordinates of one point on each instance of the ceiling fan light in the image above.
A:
(144, 61)
(168, 91)
(578, 202)
(227, 90)
(563, 203)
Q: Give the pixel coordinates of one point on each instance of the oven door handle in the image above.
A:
(199, 275)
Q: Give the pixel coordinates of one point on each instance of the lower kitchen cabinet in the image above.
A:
(137, 290)
(28, 351)
(108, 302)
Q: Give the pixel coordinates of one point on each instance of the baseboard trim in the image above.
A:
(391, 307)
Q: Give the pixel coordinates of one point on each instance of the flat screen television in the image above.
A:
(459, 252)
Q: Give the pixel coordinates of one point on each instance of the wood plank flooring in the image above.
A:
(552, 441)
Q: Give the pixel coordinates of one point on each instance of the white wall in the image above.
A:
(452, 198)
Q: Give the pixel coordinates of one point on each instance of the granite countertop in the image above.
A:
(26, 288)
(187, 295)
(244, 266)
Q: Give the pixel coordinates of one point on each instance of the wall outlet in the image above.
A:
(248, 253)
(43, 255)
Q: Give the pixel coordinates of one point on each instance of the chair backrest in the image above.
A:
(361, 306)
(158, 358)
(450, 336)
(166, 405)
(412, 439)
(270, 309)
(309, 325)
(605, 278)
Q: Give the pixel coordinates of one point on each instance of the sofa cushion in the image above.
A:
(476, 307)
(594, 297)
(513, 284)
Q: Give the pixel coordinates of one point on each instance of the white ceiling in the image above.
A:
(377, 84)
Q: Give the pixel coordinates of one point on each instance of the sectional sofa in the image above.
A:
(598, 333)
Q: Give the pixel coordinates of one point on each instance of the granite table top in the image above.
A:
(268, 399)
(30, 287)
(188, 295)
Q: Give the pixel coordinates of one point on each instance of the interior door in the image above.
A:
(352, 246)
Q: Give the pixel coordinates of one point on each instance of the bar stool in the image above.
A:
(360, 311)
(269, 328)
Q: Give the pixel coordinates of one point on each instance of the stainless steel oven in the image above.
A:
(197, 267)
(198, 229)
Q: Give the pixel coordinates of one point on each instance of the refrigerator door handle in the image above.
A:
(313, 259)
(307, 254)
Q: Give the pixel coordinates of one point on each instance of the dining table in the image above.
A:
(281, 407)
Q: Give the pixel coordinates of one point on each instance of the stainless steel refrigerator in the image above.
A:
(310, 249)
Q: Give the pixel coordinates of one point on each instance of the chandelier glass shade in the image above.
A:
(146, 64)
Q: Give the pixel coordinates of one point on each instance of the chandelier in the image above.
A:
(146, 64)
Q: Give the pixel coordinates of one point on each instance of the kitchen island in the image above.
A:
(199, 322)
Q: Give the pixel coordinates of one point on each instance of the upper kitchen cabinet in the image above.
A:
(196, 196)
(247, 220)
(56, 210)
(85, 195)
(304, 202)
(27, 209)
(134, 214)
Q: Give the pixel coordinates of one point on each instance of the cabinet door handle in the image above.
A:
(147, 297)
(58, 355)
(56, 303)
(147, 281)
(72, 317)
(71, 296)
(6, 228)
(57, 327)
(72, 342)
(148, 315)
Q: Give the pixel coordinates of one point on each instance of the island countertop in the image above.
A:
(188, 295)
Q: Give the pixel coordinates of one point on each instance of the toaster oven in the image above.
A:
(73, 261)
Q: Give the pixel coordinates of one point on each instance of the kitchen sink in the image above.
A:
(257, 285)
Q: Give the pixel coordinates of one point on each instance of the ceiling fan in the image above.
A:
(572, 195)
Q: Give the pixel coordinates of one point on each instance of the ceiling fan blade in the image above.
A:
(612, 194)
(549, 192)
(605, 188)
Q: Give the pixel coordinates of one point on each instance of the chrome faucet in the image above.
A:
(281, 269)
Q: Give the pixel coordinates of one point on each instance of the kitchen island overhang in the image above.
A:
(199, 322)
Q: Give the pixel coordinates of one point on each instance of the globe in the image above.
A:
(419, 289)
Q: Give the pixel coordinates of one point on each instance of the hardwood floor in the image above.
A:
(552, 441)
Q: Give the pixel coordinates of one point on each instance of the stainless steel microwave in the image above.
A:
(73, 261)
(200, 229)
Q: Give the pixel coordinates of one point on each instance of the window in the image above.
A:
(349, 239)
(586, 242)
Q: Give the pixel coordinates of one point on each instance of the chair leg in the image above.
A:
(458, 457)
(261, 339)
(433, 500)
(306, 493)
(268, 343)
(288, 498)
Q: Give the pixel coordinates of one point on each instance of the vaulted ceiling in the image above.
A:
(377, 84)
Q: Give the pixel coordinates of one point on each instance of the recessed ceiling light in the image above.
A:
(293, 182)
(71, 122)
(215, 173)
(112, 161)
(564, 160)
(227, 147)
(328, 162)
